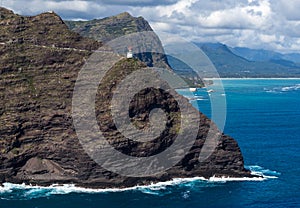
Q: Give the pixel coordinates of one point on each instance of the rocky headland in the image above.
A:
(39, 64)
(124, 24)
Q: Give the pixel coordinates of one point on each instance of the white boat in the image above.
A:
(211, 90)
(193, 89)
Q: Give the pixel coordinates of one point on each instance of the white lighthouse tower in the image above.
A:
(129, 53)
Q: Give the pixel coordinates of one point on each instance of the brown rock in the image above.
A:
(38, 142)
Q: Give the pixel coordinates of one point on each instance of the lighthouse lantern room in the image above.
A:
(129, 53)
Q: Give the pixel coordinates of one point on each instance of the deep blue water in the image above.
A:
(262, 115)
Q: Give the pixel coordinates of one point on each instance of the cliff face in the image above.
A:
(110, 28)
(39, 64)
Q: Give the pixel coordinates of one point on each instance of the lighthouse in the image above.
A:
(129, 53)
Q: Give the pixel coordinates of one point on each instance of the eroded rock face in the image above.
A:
(111, 28)
(124, 26)
(39, 64)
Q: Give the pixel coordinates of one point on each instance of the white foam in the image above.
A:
(295, 87)
(186, 194)
(55, 188)
(291, 88)
(227, 179)
(31, 191)
(6, 188)
(71, 188)
(196, 97)
(266, 173)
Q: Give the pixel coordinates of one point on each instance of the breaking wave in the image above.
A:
(265, 173)
(295, 87)
(11, 191)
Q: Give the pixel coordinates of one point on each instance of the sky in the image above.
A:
(260, 24)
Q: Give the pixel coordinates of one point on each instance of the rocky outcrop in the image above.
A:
(110, 28)
(39, 64)
(114, 27)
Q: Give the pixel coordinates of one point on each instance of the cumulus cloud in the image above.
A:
(249, 23)
(269, 24)
(37, 6)
(239, 17)
(138, 2)
(289, 9)
(68, 9)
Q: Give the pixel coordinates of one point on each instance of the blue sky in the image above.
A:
(267, 24)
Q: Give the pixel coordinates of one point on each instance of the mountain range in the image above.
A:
(265, 55)
(229, 62)
(246, 62)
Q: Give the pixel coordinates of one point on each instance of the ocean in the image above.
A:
(263, 115)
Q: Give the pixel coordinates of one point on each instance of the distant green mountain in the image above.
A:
(230, 64)
(295, 57)
(265, 55)
(185, 72)
(256, 54)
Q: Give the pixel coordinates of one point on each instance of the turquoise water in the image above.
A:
(262, 115)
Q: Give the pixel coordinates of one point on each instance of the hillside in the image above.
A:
(266, 55)
(229, 64)
(39, 64)
(111, 28)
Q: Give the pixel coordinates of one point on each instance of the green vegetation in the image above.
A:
(229, 64)
(109, 28)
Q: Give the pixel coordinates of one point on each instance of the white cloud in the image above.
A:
(289, 9)
(243, 16)
(77, 6)
(68, 9)
(271, 24)
(138, 3)
(267, 38)
(250, 23)
(161, 26)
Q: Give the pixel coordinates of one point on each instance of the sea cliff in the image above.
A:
(39, 64)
